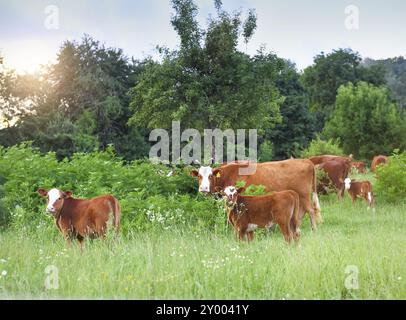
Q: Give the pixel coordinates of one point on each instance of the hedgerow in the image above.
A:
(151, 196)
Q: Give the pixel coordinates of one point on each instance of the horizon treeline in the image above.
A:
(95, 96)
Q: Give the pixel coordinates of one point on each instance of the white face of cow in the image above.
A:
(347, 183)
(231, 195)
(53, 196)
(205, 174)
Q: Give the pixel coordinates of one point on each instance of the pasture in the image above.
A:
(178, 263)
(175, 244)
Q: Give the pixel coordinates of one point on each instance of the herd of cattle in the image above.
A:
(291, 187)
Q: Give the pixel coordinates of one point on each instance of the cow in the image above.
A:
(377, 160)
(337, 170)
(78, 218)
(323, 158)
(292, 174)
(360, 166)
(360, 189)
(246, 213)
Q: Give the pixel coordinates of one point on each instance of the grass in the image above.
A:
(181, 264)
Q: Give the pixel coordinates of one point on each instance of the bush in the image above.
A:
(391, 179)
(149, 197)
(319, 147)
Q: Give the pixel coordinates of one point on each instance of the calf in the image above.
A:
(378, 160)
(78, 218)
(361, 189)
(246, 213)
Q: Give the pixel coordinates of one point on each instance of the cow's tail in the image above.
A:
(116, 215)
(315, 198)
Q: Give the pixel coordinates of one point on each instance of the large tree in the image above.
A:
(328, 72)
(208, 83)
(298, 124)
(366, 121)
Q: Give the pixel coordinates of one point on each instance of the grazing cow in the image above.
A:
(360, 189)
(360, 166)
(323, 158)
(293, 174)
(78, 218)
(377, 160)
(246, 213)
(337, 171)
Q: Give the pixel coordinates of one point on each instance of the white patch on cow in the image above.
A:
(347, 183)
(53, 195)
(316, 201)
(251, 227)
(230, 191)
(205, 173)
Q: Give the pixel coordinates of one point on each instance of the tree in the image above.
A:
(298, 124)
(328, 73)
(366, 121)
(208, 83)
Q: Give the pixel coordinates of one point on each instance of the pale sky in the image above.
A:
(293, 29)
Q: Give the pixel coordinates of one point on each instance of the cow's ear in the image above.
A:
(42, 192)
(217, 172)
(194, 173)
(67, 194)
(240, 190)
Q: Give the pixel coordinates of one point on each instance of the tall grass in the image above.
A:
(183, 264)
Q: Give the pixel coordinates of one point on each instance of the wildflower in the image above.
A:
(3, 260)
(3, 273)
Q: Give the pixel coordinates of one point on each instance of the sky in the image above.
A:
(32, 31)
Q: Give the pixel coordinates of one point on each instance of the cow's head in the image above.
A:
(347, 183)
(207, 178)
(55, 199)
(231, 194)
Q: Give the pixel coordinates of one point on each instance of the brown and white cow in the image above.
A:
(378, 160)
(337, 170)
(360, 166)
(78, 218)
(247, 213)
(293, 174)
(360, 189)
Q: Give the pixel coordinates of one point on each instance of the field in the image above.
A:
(180, 264)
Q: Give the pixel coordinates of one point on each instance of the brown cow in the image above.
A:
(361, 189)
(360, 166)
(293, 174)
(246, 213)
(377, 160)
(323, 158)
(78, 218)
(337, 170)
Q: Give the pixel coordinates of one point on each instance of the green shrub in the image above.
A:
(391, 179)
(319, 147)
(150, 197)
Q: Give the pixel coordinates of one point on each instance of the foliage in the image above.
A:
(208, 83)
(298, 124)
(328, 73)
(391, 179)
(149, 197)
(320, 147)
(366, 121)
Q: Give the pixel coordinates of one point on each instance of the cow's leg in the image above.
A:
(250, 236)
(80, 239)
(287, 233)
(307, 205)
